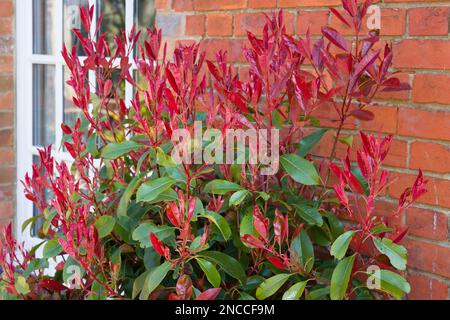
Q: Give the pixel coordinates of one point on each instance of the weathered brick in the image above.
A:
(428, 21)
(183, 5)
(6, 100)
(427, 223)
(7, 157)
(254, 22)
(232, 46)
(307, 3)
(385, 119)
(432, 124)
(424, 287)
(429, 257)
(171, 24)
(6, 8)
(7, 174)
(195, 25)
(6, 26)
(6, 137)
(433, 88)
(430, 156)
(314, 20)
(220, 24)
(422, 54)
(262, 4)
(219, 5)
(6, 210)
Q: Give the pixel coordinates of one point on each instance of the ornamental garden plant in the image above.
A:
(126, 219)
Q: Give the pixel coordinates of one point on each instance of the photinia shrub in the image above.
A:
(125, 220)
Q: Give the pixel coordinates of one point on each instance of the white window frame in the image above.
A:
(25, 59)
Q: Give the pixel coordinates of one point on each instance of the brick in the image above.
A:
(314, 20)
(7, 158)
(6, 192)
(6, 26)
(232, 46)
(6, 45)
(385, 119)
(219, 5)
(434, 88)
(161, 4)
(6, 64)
(307, 3)
(437, 194)
(6, 210)
(220, 24)
(6, 100)
(254, 22)
(6, 8)
(171, 24)
(424, 287)
(430, 156)
(195, 25)
(431, 124)
(7, 174)
(397, 154)
(6, 137)
(427, 223)
(397, 95)
(183, 5)
(429, 257)
(428, 21)
(262, 4)
(422, 54)
(6, 83)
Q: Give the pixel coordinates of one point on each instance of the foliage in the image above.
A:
(131, 223)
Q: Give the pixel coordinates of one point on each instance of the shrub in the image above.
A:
(125, 220)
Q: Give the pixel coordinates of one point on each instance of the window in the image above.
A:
(43, 99)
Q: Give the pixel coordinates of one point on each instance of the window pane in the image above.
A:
(72, 21)
(71, 112)
(43, 105)
(44, 27)
(145, 13)
(113, 12)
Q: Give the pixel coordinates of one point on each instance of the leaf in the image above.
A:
(153, 279)
(362, 66)
(138, 284)
(303, 249)
(227, 263)
(221, 187)
(163, 159)
(142, 233)
(347, 140)
(392, 283)
(309, 142)
(150, 190)
(128, 193)
(104, 225)
(238, 197)
(210, 294)
(310, 215)
(340, 245)
(300, 169)
(220, 222)
(210, 271)
(270, 286)
(396, 253)
(335, 37)
(22, 286)
(116, 150)
(51, 249)
(295, 292)
(363, 115)
(341, 277)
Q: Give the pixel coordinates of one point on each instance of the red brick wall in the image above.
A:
(419, 119)
(7, 141)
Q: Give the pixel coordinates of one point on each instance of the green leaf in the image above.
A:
(347, 140)
(73, 272)
(138, 284)
(104, 225)
(392, 283)
(340, 245)
(142, 233)
(238, 197)
(296, 291)
(163, 159)
(128, 193)
(227, 263)
(221, 187)
(51, 249)
(246, 226)
(210, 271)
(303, 249)
(153, 279)
(311, 215)
(22, 286)
(310, 141)
(150, 190)
(396, 253)
(270, 286)
(300, 169)
(341, 277)
(318, 294)
(116, 150)
(220, 222)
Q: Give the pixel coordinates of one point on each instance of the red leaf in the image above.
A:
(362, 66)
(107, 88)
(157, 244)
(335, 37)
(210, 294)
(277, 262)
(173, 214)
(260, 223)
(363, 115)
(52, 285)
(252, 241)
(339, 16)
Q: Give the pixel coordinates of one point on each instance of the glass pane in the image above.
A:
(72, 21)
(113, 12)
(145, 13)
(43, 105)
(44, 27)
